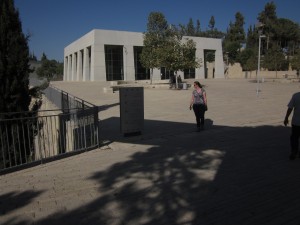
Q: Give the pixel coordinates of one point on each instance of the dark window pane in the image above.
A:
(189, 73)
(141, 73)
(166, 74)
(114, 62)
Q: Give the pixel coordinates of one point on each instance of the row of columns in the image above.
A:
(77, 66)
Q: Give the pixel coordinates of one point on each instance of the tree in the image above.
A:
(14, 74)
(236, 31)
(198, 29)
(282, 38)
(295, 62)
(157, 28)
(287, 35)
(44, 57)
(190, 29)
(178, 54)
(15, 94)
(252, 37)
(50, 69)
(248, 59)
(212, 22)
(164, 46)
(235, 37)
(14, 61)
(32, 57)
(59, 71)
(232, 49)
(274, 60)
(210, 55)
(268, 19)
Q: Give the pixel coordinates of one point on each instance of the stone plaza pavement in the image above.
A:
(235, 172)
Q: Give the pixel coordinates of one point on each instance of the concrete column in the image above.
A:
(65, 68)
(199, 72)
(86, 65)
(125, 59)
(73, 67)
(79, 66)
(99, 63)
(70, 68)
(76, 66)
(92, 64)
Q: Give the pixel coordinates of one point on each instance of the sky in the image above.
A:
(54, 24)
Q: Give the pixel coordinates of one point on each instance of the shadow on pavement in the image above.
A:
(15, 200)
(110, 129)
(223, 175)
(107, 106)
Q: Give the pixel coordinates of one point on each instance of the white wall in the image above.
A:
(94, 67)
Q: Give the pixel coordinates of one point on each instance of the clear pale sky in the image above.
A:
(54, 24)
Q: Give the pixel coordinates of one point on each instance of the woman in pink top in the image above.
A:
(199, 104)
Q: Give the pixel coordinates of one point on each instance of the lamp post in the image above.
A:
(259, 26)
(227, 65)
(258, 63)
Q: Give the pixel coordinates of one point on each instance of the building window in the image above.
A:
(141, 73)
(166, 74)
(189, 73)
(114, 62)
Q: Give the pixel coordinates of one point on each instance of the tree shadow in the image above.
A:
(110, 129)
(223, 175)
(14, 200)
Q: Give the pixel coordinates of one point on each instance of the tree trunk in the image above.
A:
(151, 75)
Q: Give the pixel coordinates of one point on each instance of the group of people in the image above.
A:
(198, 103)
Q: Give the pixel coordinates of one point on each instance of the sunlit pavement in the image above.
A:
(236, 171)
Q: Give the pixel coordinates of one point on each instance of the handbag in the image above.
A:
(205, 107)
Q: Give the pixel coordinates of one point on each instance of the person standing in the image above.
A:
(294, 105)
(199, 104)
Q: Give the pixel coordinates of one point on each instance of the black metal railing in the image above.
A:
(27, 137)
(65, 101)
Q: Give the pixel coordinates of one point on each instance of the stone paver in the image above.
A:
(235, 172)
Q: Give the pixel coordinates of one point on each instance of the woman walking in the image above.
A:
(199, 104)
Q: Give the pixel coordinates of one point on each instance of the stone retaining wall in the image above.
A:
(235, 71)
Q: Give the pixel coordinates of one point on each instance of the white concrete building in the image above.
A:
(106, 55)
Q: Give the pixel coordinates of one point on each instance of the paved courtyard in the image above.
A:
(236, 171)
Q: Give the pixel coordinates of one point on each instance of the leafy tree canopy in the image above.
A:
(295, 62)
(50, 69)
(14, 61)
(164, 46)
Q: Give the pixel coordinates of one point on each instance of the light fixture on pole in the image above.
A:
(227, 65)
(259, 26)
(258, 63)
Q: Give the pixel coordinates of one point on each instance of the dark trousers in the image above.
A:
(199, 111)
(295, 139)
